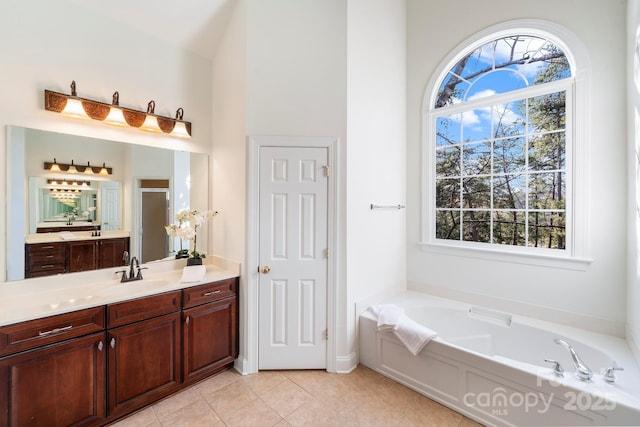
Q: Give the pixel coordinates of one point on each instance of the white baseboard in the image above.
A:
(242, 366)
(346, 364)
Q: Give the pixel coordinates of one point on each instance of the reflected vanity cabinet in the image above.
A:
(44, 259)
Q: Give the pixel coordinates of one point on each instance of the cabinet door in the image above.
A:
(59, 385)
(144, 362)
(210, 338)
(111, 251)
(82, 255)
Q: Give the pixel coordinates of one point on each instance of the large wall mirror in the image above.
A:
(145, 189)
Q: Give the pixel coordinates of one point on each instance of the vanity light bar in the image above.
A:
(113, 114)
(65, 182)
(73, 168)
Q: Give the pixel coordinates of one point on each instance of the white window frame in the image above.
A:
(575, 256)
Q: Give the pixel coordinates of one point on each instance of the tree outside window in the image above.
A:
(500, 145)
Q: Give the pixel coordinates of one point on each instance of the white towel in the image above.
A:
(413, 335)
(388, 316)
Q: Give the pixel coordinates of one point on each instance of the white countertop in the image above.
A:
(47, 296)
(74, 235)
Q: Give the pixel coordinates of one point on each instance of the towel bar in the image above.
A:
(386, 206)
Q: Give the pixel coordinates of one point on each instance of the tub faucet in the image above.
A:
(582, 370)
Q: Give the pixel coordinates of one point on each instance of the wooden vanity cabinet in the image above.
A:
(144, 342)
(92, 366)
(59, 378)
(111, 251)
(210, 338)
(44, 259)
(83, 255)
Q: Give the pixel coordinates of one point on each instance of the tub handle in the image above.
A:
(557, 369)
(609, 373)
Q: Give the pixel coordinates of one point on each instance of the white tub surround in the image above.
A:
(46, 296)
(490, 365)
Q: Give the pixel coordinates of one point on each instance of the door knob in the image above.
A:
(266, 269)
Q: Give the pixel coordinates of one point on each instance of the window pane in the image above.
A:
(477, 158)
(448, 225)
(476, 125)
(508, 155)
(501, 66)
(477, 192)
(509, 228)
(547, 230)
(448, 130)
(508, 119)
(509, 192)
(547, 191)
(447, 193)
(476, 226)
(496, 81)
(547, 112)
(448, 162)
(547, 152)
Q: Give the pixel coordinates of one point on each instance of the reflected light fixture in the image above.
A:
(116, 115)
(73, 168)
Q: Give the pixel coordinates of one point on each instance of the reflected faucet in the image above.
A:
(582, 370)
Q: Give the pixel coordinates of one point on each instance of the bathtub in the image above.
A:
(489, 366)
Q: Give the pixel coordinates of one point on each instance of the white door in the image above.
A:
(292, 283)
(110, 209)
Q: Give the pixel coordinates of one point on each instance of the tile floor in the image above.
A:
(296, 398)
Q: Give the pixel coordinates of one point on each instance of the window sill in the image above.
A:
(541, 260)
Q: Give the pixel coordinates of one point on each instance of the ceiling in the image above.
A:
(194, 25)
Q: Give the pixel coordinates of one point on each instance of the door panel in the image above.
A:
(293, 243)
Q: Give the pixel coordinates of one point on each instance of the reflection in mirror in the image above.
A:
(130, 207)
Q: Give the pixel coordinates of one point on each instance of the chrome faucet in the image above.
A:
(582, 370)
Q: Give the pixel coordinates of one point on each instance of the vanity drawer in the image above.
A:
(44, 259)
(39, 332)
(210, 292)
(47, 256)
(135, 310)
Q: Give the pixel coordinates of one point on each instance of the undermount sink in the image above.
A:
(133, 286)
(110, 290)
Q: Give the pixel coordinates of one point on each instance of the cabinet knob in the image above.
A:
(113, 343)
(100, 345)
(187, 320)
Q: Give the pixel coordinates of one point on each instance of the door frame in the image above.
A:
(140, 236)
(255, 143)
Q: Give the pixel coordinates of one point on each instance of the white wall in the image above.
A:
(633, 150)
(376, 155)
(594, 298)
(48, 44)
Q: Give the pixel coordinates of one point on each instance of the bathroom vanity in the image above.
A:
(47, 254)
(107, 349)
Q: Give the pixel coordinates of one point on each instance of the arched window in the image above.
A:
(500, 146)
